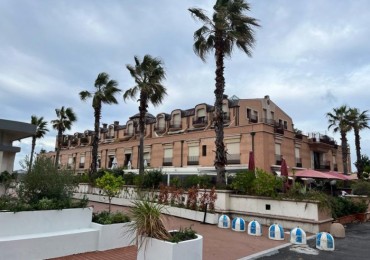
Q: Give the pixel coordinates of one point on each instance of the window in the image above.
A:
(167, 157)
(298, 160)
(233, 153)
(204, 150)
(278, 154)
(146, 158)
(82, 161)
(285, 125)
(193, 157)
(130, 129)
(70, 162)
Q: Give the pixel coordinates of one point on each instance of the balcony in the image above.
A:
(175, 126)
(268, 121)
(321, 143)
(233, 159)
(167, 161)
(84, 141)
(298, 162)
(253, 119)
(160, 129)
(193, 160)
(129, 133)
(279, 128)
(200, 121)
(322, 166)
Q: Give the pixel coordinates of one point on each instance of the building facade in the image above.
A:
(12, 131)
(183, 140)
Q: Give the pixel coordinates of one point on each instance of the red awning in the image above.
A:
(309, 173)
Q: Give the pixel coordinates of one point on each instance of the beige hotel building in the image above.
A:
(182, 141)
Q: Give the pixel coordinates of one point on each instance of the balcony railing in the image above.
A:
(298, 162)
(127, 133)
(193, 160)
(322, 166)
(167, 161)
(268, 121)
(253, 119)
(174, 126)
(279, 128)
(200, 121)
(233, 159)
(159, 129)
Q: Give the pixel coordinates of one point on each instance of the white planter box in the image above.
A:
(155, 249)
(114, 236)
(211, 218)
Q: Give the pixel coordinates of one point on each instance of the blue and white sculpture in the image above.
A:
(238, 224)
(254, 228)
(224, 221)
(298, 236)
(276, 232)
(325, 241)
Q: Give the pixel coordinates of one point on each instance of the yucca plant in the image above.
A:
(147, 222)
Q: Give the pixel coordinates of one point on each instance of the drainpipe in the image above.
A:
(182, 152)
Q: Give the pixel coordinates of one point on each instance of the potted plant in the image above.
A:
(113, 229)
(155, 242)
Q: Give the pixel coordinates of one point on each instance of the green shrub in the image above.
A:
(266, 184)
(344, 206)
(45, 181)
(361, 188)
(243, 182)
(129, 178)
(182, 235)
(150, 179)
(106, 218)
(110, 185)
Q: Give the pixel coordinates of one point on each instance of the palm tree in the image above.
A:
(105, 91)
(148, 75)
(358, 121)
(229, 26)
(65, 119)
(338, 120)
(41, 130)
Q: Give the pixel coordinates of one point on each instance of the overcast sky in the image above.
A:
(310, 56)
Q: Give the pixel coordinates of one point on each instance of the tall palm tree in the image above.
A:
(41, 130)
(105, 91)
(65, 119)
(338, 121)
(358, 121)
(148, 75)
(229, 26)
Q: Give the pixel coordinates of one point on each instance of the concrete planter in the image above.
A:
(211, 218)
(155, 249)
(35, 235)
(113, 235)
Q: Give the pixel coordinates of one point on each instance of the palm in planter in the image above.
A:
(152, 234)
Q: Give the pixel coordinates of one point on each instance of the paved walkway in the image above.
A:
(223, 244)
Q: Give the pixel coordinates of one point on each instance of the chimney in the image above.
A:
(105, 126)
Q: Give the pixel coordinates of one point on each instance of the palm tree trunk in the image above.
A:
(32, 152)
(360, 167)
(142, 110)
(60, 135)
(344, 152)
(95, 141)
(220, 157)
